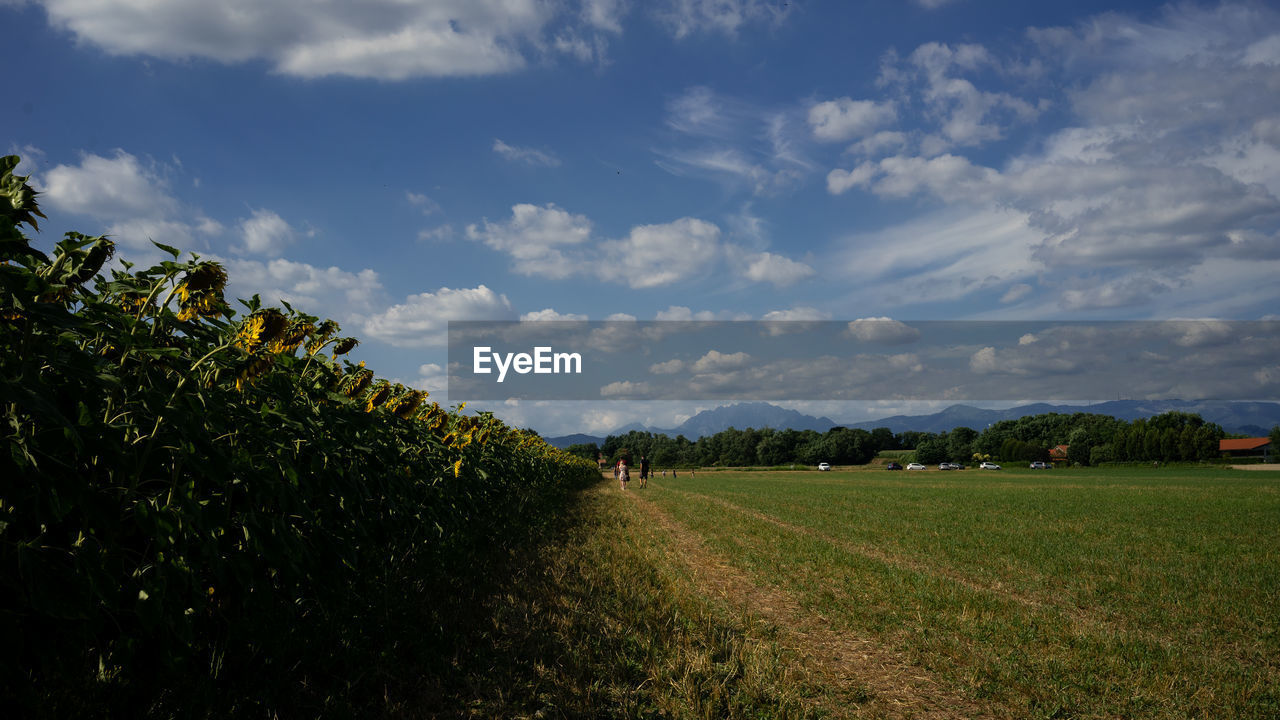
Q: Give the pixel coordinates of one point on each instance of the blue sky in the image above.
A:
(396, 164)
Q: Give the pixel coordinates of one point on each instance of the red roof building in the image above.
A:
(1245, 447)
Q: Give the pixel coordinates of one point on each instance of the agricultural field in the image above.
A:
(1151, 593)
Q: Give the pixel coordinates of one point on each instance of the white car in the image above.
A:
(989, 466)
(824, 466)
(915, 466)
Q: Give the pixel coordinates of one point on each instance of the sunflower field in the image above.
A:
(211, 512)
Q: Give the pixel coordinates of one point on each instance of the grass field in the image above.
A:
(1137, 593)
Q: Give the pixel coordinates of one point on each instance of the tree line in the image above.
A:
(1091, 439)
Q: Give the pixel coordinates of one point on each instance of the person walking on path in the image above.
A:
(623, 476)
(644, 471)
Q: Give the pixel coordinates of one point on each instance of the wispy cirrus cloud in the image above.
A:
(525, 155)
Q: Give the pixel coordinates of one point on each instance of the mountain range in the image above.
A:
(1252, 418)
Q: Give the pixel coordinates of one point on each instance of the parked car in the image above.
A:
(824, 466)
(915, 466)
(945, 466)
(893, 466)
(1037, 465)
(989, 466)
(957, 466)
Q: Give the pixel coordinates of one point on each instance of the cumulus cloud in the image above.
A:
(551, 315)
(679, 313)
(806, 314)
(781, 271)
(381, 39)
(334, 290)
(115, 187)
(838, 181)
(653, 255)
(845, 118)
(535, 238)
(266, 233)
(965, 115)
(669, 367)
(716, 361)
(423, 319)
(525, 155)
(883, 330)
(625, 388)
(131, 196)
(1150, 188)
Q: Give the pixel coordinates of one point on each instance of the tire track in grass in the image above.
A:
(886, 683)
(1085, 623)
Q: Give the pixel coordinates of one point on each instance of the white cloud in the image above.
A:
(965, 115)
(535, 238)
(845, 118)
(422, 202)
(551, 315)
(118, 187)
(604, 14)
(266, 233)
(548, 241)
(131, 197)
(781, 271)
(716, 361)
(528, 156)
(670, 367)
(874, 144)
(839, 180)
(883, 330)
(654, 255)
(796, 314)
(438, 233)
(687, 17)
(624, 388)
(382, 39)
(432, 378)
(734, 142)
(679, 313)
(423, 319)
(331, 291)
(1016, 293)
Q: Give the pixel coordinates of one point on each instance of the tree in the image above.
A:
(589, 451)
(931, 450)
(960, 443)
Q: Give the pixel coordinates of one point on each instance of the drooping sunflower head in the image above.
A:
(207, 277)
(355, 382)
(378, 395)
(98, 255)
(249, 337)
(252, 370)
(345, 345)
(261, 327)
(292, 337)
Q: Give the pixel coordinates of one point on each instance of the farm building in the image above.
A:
(1246, 447)
(1058, 454)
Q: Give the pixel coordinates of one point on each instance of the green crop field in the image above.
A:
(1151, 593)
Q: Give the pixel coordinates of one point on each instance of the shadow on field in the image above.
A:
(583, 622)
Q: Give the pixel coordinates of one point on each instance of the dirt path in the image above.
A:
(891, 686)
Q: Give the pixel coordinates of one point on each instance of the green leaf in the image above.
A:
(167, 248)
